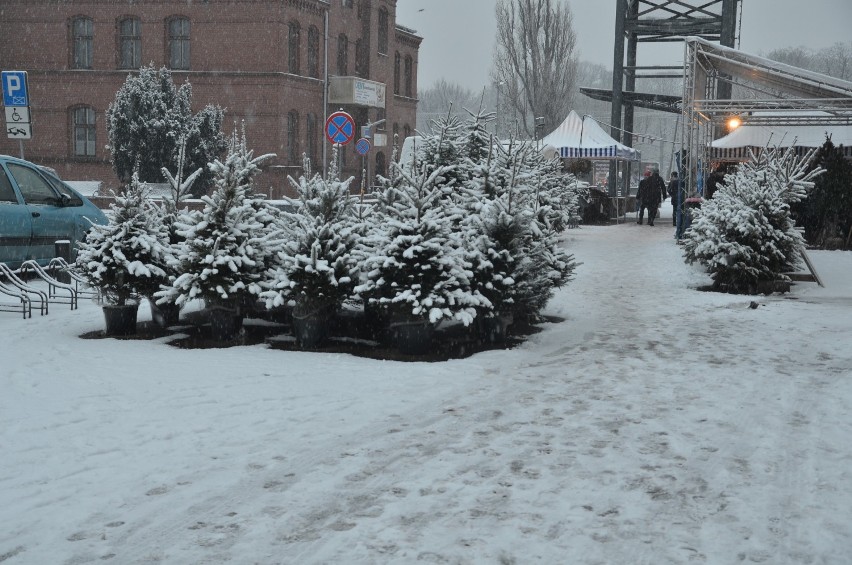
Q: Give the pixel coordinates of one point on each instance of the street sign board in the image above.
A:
(19, 131)
(340, 128)
(17, 114)
(363, 146)
(15, 92)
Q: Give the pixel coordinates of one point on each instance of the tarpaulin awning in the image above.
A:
(585, 139)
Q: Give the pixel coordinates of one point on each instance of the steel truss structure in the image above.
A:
(644, 21)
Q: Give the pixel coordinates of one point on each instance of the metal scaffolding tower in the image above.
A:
(644, 21)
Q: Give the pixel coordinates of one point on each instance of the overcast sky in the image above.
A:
(458, 35)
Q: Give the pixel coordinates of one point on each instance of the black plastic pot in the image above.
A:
(120, 319)
(311, 325)
(412, 337)
(164, 315)
(225, 322)
(494, 329)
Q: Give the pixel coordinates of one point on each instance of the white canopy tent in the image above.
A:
(735, 145)
(580, 138)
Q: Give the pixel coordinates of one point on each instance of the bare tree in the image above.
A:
(535, 62)
(437, 100)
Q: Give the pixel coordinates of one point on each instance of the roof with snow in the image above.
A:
(578, 137)
(735, 145)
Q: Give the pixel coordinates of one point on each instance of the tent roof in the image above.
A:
(578, 138)
(734, 144)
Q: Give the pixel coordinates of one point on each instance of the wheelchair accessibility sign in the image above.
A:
(15, 88)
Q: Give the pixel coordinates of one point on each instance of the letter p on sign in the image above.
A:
(15, 88)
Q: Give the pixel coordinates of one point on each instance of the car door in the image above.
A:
(51, 222)
(15, 224)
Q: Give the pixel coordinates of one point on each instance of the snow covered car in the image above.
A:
(37, 209)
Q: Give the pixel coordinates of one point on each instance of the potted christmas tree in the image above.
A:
(314, 268)
(228, 246)
(418, 274)
(165, 312)
(121, 258)
(745, 235)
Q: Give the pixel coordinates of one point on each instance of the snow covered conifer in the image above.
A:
(148, 118)
(315, 267)
(745, 234)
(123, 258)
(418, 271)
(229, 244)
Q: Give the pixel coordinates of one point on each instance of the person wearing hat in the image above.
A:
(652, 191)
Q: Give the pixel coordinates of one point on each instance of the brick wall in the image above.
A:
(239, 60)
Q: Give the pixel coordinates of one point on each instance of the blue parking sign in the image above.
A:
(15, 88)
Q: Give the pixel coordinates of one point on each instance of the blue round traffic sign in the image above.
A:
(362, 147)
(340, 128)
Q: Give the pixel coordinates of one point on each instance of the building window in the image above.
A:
(83, 120)
(313, 52)
(342, 55)
(179, 43)
(293, 47)
(409, 67)
(129, 43)
(347, 3)
(380, 164)
(311, 137)
(82, 30)
(383, 30)
(360, 68)
(406, 131)
(395, 139)
(293, 137)
(396, 64)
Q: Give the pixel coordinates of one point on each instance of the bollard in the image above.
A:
(62, 248)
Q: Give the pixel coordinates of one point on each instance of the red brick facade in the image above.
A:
(239, 57)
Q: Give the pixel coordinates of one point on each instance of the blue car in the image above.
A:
(37, 210)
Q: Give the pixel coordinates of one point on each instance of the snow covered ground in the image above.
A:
(656, 424)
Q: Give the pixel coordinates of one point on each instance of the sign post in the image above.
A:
(339, 130)
(16, 100)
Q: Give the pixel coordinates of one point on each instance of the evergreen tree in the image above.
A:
(229, 245)
(827, 211)
(315, 267)
(418, 271)
(745, 234)
(148, 118)
(123, 258)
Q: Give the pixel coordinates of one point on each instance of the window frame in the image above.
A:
(89, 128)
(294, 39)
(133, 39)
(397, 73)
(82, 43)
(293, 137)
(384, 18)
(408, 76)
(43, 198)
(313, 51)
(342, 55)
(181, 40)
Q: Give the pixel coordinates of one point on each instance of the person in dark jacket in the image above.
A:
(672, 189)
(652, 191)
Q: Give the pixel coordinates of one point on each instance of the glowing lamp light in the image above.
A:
(734, 123)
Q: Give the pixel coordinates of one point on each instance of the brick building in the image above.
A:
(263, 61)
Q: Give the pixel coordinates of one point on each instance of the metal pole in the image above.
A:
(325, 101)
(21, 144)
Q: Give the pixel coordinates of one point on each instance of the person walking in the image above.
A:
(673, 189)
(652, 191)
